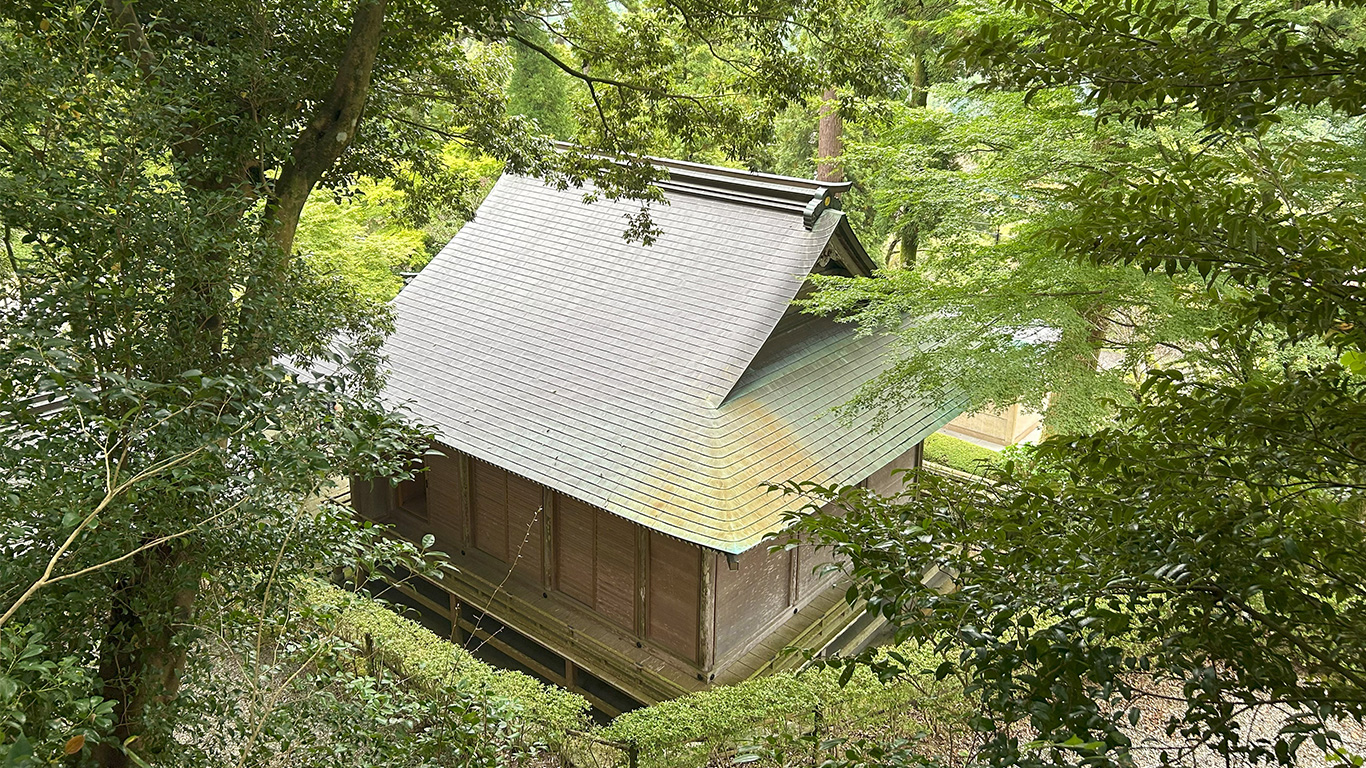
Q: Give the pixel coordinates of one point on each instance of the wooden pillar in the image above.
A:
(547, 538)
(706, 620)
(642, 580)
(466, 500)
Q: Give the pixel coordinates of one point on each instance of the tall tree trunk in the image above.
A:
(908, 237)
(829, 139)
(910, 244)
(143, 653)
(142, 659)
(920, 80)
(920, 76)
(330, 131)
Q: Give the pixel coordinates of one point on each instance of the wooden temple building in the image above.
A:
(609, 418)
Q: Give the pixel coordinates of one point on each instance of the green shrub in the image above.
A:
(427, 659)
(688, 732)
(958, 454)
(718, 715)
(697, 729)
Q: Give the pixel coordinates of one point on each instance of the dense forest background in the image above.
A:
(1143, 217)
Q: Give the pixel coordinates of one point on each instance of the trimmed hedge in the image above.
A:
(718, 715)
(695, 729)
(688, 732)
(430, 660)
(958, 454)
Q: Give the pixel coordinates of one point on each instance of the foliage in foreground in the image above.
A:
(430, 662)
(157, 440)
(698, 729)
(712, 726)
(1207, 549)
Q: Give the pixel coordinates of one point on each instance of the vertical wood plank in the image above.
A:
(642, 580)
(547, 538)
(575, 555)
(675, 575)
(706, 606)
(466, 501)
(525, 527)
(616, 569)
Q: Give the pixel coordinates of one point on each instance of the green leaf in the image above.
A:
(19, 752)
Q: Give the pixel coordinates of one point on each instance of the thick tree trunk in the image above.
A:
(141, 657)
(910, 245)
(920, 80)
(330, 131)
(829, 139)
(332, 128)
(143, 652)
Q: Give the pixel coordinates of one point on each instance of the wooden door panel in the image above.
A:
(524, 526)
(615, 582)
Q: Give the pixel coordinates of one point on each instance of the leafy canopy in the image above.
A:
(1203, 552)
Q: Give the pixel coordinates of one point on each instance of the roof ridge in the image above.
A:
(809, 197)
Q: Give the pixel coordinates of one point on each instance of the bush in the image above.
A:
(428, 660)
(697, 729)
(958, 454)
(691, 731)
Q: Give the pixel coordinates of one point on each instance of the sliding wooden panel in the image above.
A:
(675, 579)
(524, 526)
(445, 514)
(575, 525)
(615, 582)
(490, 509)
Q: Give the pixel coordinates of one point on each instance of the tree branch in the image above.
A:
(332, 127)
(134, 37)
(327, 135)
(108, 499)
(592, 79)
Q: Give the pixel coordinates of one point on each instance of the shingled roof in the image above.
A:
(669, 383)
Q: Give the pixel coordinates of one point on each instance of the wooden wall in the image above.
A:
(764, 590)
(662, 591)
(673, 599)
(769, 586)
(507, 518)
(645, 584)
(595, 560)
(750, 598)
(888, 481)
(445, 507)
